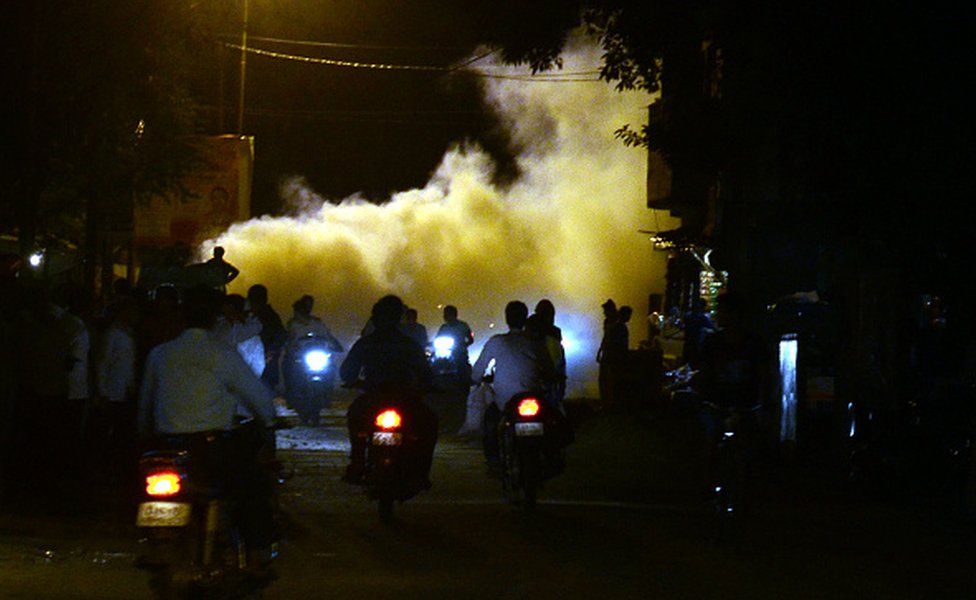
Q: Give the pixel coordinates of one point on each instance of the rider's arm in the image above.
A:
(421, 367)
(480, 365)
(353, 364)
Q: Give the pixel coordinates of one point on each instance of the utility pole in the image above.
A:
(222, 62)
(240, 96)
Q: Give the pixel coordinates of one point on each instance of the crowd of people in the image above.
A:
(73, 366)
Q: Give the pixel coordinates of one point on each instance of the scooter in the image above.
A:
(309, 377)
(448, 369)
(529, 440)
(189, 540)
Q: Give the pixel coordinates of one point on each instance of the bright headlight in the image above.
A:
(443, 346)
(317, 360)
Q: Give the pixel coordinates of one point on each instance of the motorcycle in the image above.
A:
(309, 377)
(530, 436)
(739, 427)
(190, 540)
(447, 367)
(394, 448)
(918, 447)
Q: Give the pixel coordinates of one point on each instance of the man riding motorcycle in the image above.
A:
(460, 333)
(522, 364)
(189, 397)
(389, 363)
(305, 332)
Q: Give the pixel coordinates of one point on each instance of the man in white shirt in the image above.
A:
(190, 393)
(241, 331)
(522, 364)
(115, 380)
(193, 383)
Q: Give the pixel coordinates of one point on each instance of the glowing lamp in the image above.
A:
(388, 419)
(316, 360)
(528, 407)
(163, 484)
(443, 346)
(36, 259)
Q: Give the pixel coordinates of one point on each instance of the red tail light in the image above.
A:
(388, 419)
(165, 483)
(528, 407)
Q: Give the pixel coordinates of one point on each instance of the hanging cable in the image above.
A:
(548, 77)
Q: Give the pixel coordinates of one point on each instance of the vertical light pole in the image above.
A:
(240, 96)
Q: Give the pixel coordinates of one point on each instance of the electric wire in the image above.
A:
(316, 44)
(541, 78)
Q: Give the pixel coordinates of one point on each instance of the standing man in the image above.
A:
(605, 383)
(115, 376)
(522, 364)
(224, 272)
(273, 334)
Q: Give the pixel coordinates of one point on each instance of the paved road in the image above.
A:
(625, 521)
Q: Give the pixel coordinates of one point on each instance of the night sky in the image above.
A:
(352, 130)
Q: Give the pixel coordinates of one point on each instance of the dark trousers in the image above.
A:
(230, 466)
(489, 433)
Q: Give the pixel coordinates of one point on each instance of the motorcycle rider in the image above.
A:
(301, 326)
(304, 323)
(461, 333)
(412, 328)
(190, 393)
(542, 323)
(390, 363)
(522, 364)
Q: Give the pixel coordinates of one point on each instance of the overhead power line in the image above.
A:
(316, 44)
(573, 77)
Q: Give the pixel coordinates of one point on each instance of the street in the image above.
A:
(627, 520)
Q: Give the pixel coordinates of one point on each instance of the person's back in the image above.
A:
(388, 362)
(194, 383)
(273, 333)
(416, 331)
(457, 329)
(387, 359)
(522, 364)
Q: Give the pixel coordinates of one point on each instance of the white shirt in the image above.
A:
(522, 364)
(233, 333)
(194, 384)
(245, 337)
(115, 369)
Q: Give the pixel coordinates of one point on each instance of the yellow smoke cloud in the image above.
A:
(565, 230)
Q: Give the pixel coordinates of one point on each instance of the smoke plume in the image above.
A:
(566, 230)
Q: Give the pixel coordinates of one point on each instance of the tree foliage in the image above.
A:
(98, 107)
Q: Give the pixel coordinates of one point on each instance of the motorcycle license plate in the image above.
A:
(387, 438)
(529, 429)
(163, 514)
